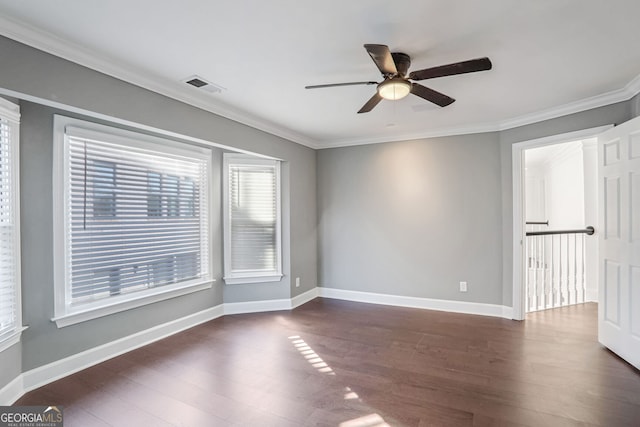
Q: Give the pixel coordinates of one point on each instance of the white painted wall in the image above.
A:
(565, 191)
(535, 195)
(561, 187)
(559, 169)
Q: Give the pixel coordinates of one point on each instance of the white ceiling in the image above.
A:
(541, 156)
(550, 57)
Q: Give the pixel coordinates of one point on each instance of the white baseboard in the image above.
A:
(303, 298)
(415, 302)
(42, 375)
(61, 368)
(592, 295)
(256, 306)
(270, 305)
(507, 312)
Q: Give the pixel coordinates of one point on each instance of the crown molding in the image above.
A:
(47, 42)
(619, 95)
(630, 90)
(52, 44)
(436, 133)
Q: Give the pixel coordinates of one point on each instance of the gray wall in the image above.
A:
(32, 73)
(413, 218)
(408, 218)
(635, 106)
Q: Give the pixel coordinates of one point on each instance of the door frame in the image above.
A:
(517, 171)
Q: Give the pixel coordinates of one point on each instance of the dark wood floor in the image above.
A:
(337, 363)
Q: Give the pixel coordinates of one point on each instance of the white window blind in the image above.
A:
(10, 320)
(252, 219)
(136, 217)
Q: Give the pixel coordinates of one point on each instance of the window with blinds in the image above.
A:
(135, 217)
(10, 317)
(252, 219)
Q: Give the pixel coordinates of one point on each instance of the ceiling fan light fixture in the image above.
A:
(395, 88)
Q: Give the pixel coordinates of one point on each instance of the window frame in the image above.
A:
(64, 313)
(264, 276)
(11, 113)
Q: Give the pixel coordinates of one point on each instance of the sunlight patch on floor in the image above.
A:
(350, 394)
(371, 420)
(310, 355)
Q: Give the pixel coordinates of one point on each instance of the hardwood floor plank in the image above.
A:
(339, 363)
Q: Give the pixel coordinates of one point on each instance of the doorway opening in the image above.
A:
(555, 191)
(560, 214)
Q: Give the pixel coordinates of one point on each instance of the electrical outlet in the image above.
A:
(463, 286)
(297, 282)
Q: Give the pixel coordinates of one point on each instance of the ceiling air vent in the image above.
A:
(200, 83)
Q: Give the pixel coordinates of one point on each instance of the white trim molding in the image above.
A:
(619, 95)
(304, 297)
(464, 307)
(50, 43)
(517, 168)
(12, 338)
(136, 301)
(61, 368)
(42, 375)
(270, 305)
(256, 306)
(74, 52)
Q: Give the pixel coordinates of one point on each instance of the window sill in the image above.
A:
(73, 318)
(11, 338)
(241, 280)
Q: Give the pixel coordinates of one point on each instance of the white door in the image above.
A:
(619, 240)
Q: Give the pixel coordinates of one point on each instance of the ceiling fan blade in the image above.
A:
(375, 99)
(382, 58)
(340, 84)
(431, 95)
(471, 66)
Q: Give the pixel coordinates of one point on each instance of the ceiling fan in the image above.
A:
(397, 83)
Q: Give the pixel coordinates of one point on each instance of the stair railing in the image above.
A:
(555, 267)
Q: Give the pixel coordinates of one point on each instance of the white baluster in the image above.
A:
(545, 288)
(534, 297)
(562, 276)
(575, 268)
(551, 275)
(529, 274)
(584, 271)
